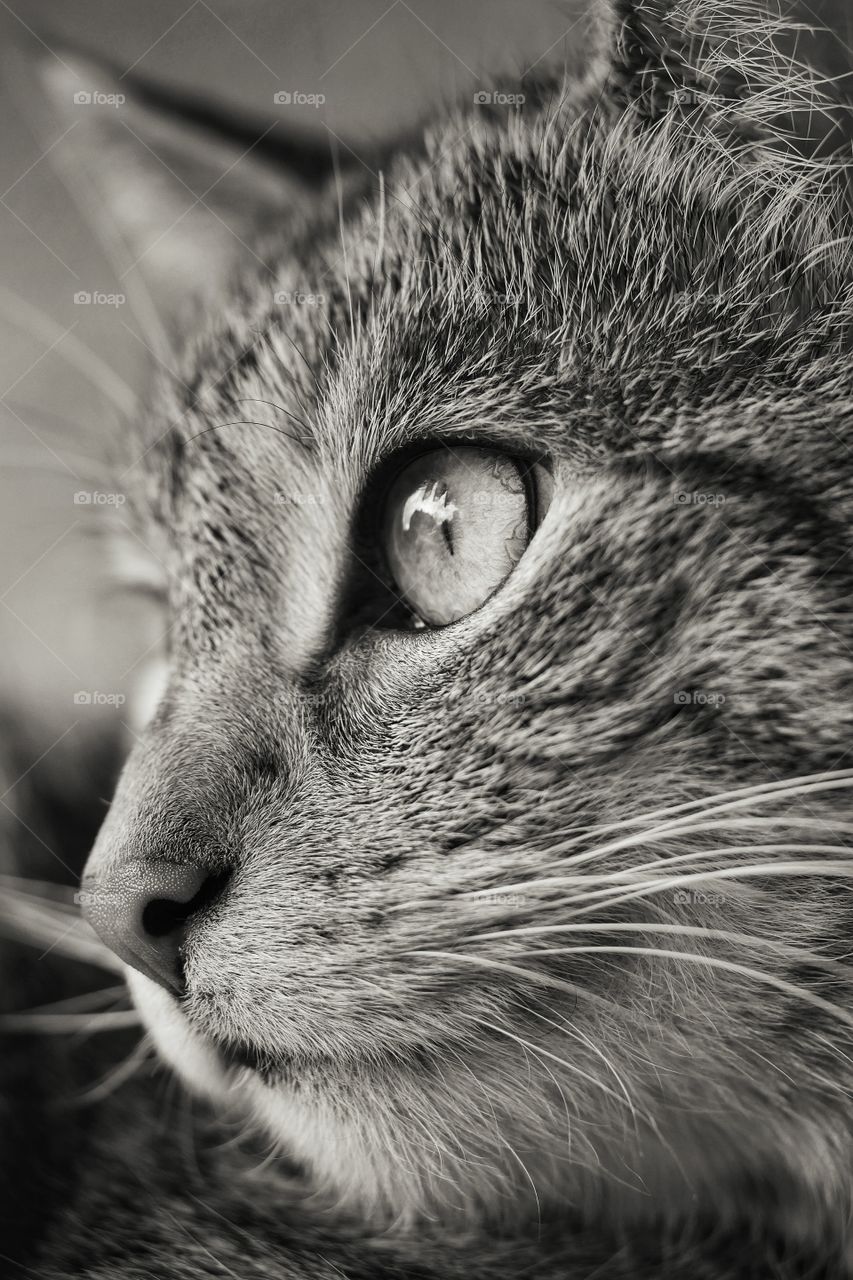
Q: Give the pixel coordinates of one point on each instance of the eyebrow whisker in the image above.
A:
(251, 422)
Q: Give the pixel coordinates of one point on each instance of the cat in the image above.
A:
(481, 871)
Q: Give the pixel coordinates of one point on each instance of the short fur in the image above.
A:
(536, 944)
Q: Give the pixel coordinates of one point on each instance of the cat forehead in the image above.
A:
(545, 286)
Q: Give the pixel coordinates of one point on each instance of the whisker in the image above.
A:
(600, 884)
(690, 824)
(302, 356)
(50, 421)
(723, 801)
(710, 961)
(575, 1033)
(252, 422)
(25, 317)
(541, 979)
(511, 1149)
(605, 879)
(380, 239)
(340, 199)
(654, 928)
(65, 1023)
(54, 926)
(752, 824)
(46, 893)
(570, 1066)
(308, 437)
(683, 825)
(716, 962)
(614, 897)
(79, 189)
(87, 1001)
(119, 1075)
(696, 855)
(37, 463)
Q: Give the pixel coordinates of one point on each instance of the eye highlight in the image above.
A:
(456, 522)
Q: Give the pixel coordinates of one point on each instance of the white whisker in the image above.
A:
(681, 827)
(693, 824)
(614, 897)
(64, 1023)
(541, 979)
(119, 1075)
(54, 925)
(86, 1002)
(22, 315)
(575, 1033)
(690, 957)
(569, 1066)
(723, 801)
(604, 879)
(655, 928)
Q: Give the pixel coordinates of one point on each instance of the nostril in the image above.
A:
(162, 916)
(144, 912)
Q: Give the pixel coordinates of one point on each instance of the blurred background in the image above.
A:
(73, 353)
(370, 70)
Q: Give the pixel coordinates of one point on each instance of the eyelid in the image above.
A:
(541, 481)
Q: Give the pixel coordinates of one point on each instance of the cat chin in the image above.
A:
(354, 1150)
(359, 1155)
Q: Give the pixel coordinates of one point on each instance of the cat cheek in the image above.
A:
(177, 1043)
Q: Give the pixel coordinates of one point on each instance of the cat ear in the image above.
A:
(773, 73)
(647, 50)
(183, 196)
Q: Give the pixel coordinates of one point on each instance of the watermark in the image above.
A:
(686, 499)
(97, 897)
(95, 98)
(456, 697)
(698, 698)
(504, 498)
(698, 897)
(483, 698)
(95, 698)
(497, 297)
(295, 98)
(686, 97)
(83, 298)
(96, 498)
(314, 697)
(494, 98)
(499, 898)
(282, 499)
(711, 299)
(298, 899)
(286, 298)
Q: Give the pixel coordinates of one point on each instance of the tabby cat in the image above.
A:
(481, 873)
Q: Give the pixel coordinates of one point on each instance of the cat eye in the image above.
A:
(456, 522)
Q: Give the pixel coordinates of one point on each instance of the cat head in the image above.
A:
(487, 841)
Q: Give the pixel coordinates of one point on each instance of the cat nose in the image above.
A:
(142, 911)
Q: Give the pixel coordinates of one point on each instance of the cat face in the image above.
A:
(507, 669)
